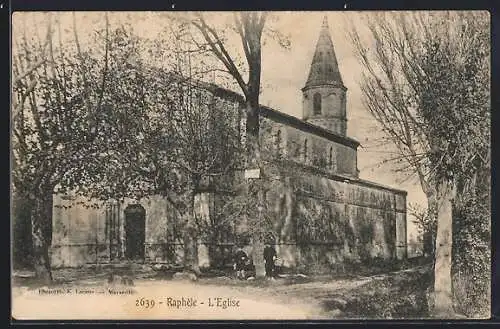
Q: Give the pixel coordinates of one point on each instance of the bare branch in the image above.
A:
(218, 48)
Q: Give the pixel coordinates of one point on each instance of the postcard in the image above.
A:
(250, 165)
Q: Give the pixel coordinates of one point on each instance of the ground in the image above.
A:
(397, 294)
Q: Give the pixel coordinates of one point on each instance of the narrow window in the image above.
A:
(332, 162)
(330, 157)
(305, 151)
(317, 104)
(278, 143)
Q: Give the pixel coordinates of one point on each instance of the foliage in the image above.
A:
(209, 36)
(399, 295)
(103, 124)
(174, 137)
(426, 223)
(426, 82)
(472, 251)
(454, 101)
(459, 111)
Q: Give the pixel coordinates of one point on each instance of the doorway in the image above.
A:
(135, 232)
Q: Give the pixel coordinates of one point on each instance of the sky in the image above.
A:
(284, 71)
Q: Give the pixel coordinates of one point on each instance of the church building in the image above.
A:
(324, 214)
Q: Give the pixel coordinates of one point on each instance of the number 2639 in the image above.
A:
(146, 303)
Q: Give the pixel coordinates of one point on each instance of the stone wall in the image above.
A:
(78, 233)
(84, 235)
(91, 235)
(320, 222)
(335, 220)
(308, 149)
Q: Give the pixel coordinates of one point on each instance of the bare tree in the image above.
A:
(249, 27)
(426, 84)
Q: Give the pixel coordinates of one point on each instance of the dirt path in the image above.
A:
(395, 294)
(297, 298)
(282, 291)
(94, 302)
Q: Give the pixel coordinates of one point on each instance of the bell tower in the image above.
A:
(324, 94)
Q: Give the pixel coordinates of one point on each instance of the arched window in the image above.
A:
(305, 150)
(317, 103)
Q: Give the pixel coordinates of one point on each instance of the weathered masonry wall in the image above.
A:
(97, 235)
(333, 221)
(308, 149)
(321, 220)
(339, 220)
(78, 233)
(84, 235)
(320, 223)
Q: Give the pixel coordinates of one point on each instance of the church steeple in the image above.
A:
(324, 66)
(324, 94)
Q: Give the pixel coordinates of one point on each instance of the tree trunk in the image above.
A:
(254, 161)
(41, 224)
(252, 135)
(190, 237)
(286, 231)
(257, 238)
(443, 302)
(429, 232)
(22, 241)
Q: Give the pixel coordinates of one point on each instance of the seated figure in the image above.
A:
(243, 265)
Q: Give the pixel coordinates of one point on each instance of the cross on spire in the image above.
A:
(325, 22)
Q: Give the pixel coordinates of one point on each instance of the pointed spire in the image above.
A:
(324, 66)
